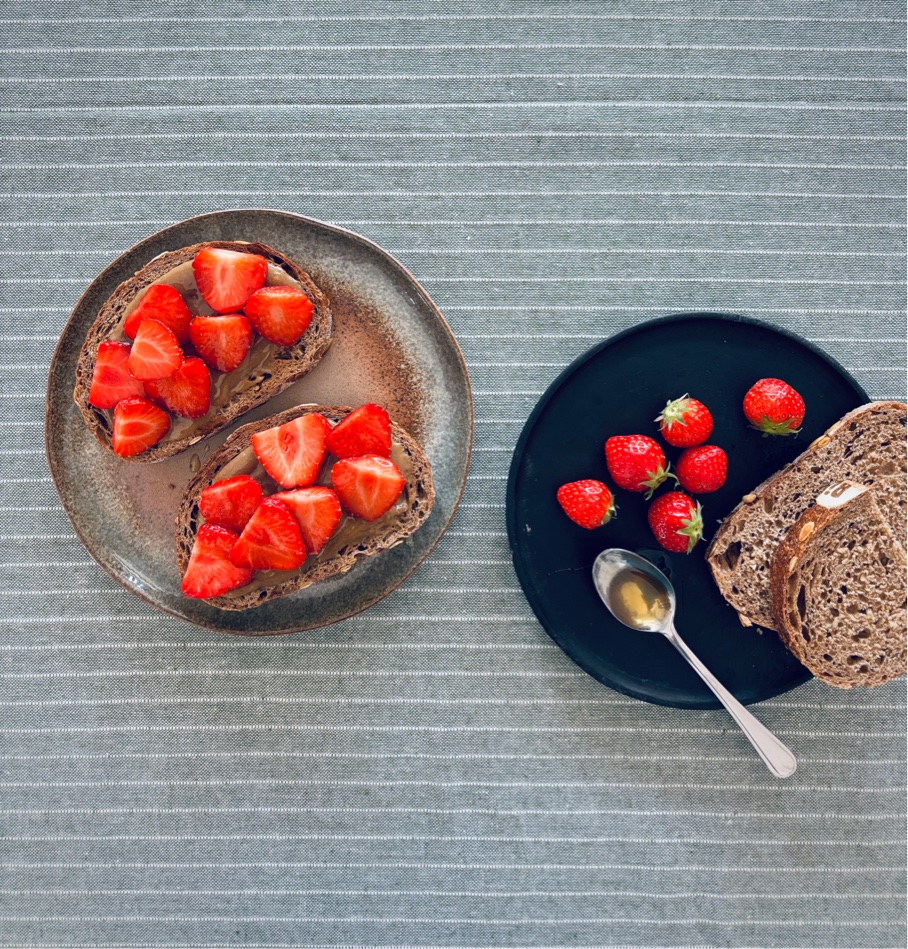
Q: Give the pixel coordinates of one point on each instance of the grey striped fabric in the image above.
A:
(435, 772)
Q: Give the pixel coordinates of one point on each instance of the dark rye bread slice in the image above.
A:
(838, 590)
(255, 382)
(866, 446)
(388, 531)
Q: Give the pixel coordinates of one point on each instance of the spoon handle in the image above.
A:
(778, 758)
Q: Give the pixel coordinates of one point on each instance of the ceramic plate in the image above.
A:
(619, 387)
(391, 346)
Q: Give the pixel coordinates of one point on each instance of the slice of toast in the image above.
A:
(838, 590)
(866, 446)
(352, 540)
(268, 369)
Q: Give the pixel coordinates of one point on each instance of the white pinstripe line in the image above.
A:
(308, 163)
(409, 194)
(501, 838)
(418, 135)
(447, 729)
(449, 920)
(449, 107)
(400, 782)
(439, 17)
(258, 700)
(479, 756)
(492, 894)
(257, 644)
(450, 47)
(517, 252)
(597, 279)
(422, 77)
(365, 673)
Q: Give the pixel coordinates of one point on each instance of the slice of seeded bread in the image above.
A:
(838, 590)
(866, 446)
(388, 531)
(261, 383)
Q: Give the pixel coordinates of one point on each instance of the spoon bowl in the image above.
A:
(642, 598)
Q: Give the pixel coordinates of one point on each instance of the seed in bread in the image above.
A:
(838, 590)
(866, 446)
(266, 370)
(352, 539)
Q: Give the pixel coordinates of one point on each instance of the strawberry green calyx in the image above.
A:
(768, 427)
(693, 528)
(654, 478)
(674, 412)
(612, 511)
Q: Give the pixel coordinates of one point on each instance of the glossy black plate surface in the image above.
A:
(618, 387)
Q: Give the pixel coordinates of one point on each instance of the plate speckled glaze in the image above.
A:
(391, 346)
(716, 358)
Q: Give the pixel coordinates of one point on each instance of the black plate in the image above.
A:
(618, 387)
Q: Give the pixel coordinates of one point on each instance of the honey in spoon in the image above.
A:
(638, 602)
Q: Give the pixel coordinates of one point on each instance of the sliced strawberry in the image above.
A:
(111, 381)
(317, 511)
(227, 278)
(280, 314)
(155, 353)
(210, 571)
(186, 392)
(271, 540)
(137, 425)
(230, 502)
(365, 431)
(163, 303)
(222, 341)
(367, 486)
(292, 453)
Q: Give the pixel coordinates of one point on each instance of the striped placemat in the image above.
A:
(435, 772)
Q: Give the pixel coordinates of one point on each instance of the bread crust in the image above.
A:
(807, 531)
(730, 524)
(419, 488)
(289, 363)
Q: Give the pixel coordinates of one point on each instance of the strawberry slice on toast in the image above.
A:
(138, 425)
(186, 392)
(292, 453)
(163, 303)
(280, 314)
(111, 380)
(365, 431)
(222, 341)
(368, 486)
(317, 511)
(271, 540)
(230, 502)
(227, 278)
(210, 571)
(155, 352)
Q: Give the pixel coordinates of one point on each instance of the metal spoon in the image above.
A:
(640, 596)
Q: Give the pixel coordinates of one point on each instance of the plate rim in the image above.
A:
(551, 390)
(54, 464)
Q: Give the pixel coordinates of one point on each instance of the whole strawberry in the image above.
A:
(702, 469)
(588, 503)
(636, 463)
(685, 422)
(774, 407)
(676, 521)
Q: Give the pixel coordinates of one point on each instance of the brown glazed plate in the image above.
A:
(391, 346)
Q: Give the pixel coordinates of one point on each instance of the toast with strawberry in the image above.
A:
(296, 498)
(205, 333)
